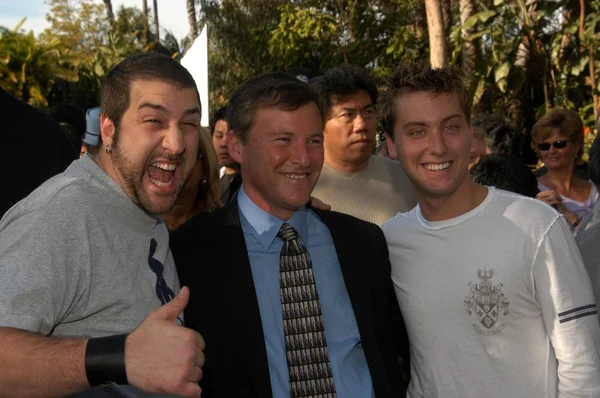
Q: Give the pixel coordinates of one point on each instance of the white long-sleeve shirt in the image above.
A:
(497, 302)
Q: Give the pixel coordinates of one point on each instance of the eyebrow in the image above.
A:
(164, 110)
(423, 124)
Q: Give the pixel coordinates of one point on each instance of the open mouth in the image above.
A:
(437, 166)
(161, 173)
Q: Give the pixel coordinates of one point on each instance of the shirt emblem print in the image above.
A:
(488, 303)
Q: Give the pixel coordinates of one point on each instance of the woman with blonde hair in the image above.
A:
(202, 192)
(557, 138)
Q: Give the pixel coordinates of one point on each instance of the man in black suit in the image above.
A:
(263, 336)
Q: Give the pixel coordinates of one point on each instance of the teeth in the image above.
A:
(296, 176)
(165, 166)
(437, 167)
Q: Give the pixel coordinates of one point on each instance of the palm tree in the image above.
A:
(191, 9)
(156, 27)
(29, 66)
(110, 14)
(145, 12)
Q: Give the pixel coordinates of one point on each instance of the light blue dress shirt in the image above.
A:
(348, 363)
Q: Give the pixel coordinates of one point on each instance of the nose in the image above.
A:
(437, 143)
(300, 155)
(223, 142)
(173, 141)
(359, 123)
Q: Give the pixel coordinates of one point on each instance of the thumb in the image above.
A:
(171, 310)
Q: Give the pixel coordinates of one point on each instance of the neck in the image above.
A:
(467, 197)
(346, 167)
(559, 180)
(184, 208)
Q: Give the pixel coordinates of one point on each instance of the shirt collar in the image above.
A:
(265, 226)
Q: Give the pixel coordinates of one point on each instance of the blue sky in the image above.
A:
(172, 14)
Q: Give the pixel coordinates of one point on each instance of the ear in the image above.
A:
(107, 129)
(235, 146)
(391, 147)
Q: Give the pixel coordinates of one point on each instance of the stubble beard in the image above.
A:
(132, 180)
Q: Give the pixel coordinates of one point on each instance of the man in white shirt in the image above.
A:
(493, 290)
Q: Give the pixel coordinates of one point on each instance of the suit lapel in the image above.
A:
(245, 314)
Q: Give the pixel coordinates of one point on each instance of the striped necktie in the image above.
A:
(305, 345)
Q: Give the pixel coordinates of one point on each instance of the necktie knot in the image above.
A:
(287, 232)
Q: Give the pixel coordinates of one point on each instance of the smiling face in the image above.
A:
(282, 158)
(350, 130)
(154, 148)
(558, 158)
(433, 141)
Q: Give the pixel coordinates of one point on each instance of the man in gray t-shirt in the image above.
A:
(89, 296)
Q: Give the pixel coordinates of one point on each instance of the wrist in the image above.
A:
(105, 360)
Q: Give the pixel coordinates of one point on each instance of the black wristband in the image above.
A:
(105, 360)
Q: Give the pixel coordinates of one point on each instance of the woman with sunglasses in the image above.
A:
(557, 138)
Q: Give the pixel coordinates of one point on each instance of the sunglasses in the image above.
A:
(544, 146)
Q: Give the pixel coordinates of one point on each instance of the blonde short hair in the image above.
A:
(565, 121)
(210, 193)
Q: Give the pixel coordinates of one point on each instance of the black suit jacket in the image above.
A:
(211, 258)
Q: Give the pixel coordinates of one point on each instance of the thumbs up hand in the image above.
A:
(163, 357)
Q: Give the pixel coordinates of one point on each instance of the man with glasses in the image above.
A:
(353, 180)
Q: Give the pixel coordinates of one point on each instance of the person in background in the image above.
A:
(72, 120)
(495, 134)
(230, 170)
(353, 180)
(91, 140)
(505, 172)
(381, 150)
(588, 235)
(202, 191)
(35, 143)
(557, 138)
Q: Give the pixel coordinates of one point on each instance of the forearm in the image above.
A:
(32, 365)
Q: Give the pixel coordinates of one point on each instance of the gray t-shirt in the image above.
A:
(79, 259)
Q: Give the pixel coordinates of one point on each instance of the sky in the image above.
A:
(172, 14)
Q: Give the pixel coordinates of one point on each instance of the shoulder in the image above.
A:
(530, 208)
(401, 220)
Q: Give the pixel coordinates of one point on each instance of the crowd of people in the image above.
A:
(286, 251)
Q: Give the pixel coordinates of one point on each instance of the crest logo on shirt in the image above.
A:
(488, 303)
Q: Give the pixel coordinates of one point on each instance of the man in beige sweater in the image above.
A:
(354, 181)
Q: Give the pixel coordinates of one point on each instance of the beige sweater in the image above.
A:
(374, 194)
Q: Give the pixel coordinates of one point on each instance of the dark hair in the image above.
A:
(115, 89)
(505, 172)
(69, 114)
(594, 161)
(416, 77)
(220, 114)
(267, 90)
(499, 135)
(72, 136)
(342, 81)
(566, 121)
